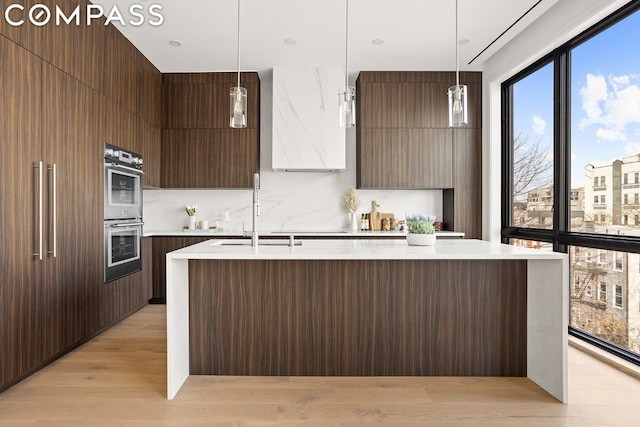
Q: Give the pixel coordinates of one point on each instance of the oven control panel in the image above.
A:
(123, 157)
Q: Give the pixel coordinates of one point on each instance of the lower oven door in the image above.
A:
(122, 248)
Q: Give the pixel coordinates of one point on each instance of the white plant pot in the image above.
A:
(421, 239)
(192, 222)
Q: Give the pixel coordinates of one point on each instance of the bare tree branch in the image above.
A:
(532, 167)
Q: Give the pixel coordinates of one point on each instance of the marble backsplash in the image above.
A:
(306, 203)
(288, 200)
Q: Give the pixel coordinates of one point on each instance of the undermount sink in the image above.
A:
(298, 232)
(260, 243)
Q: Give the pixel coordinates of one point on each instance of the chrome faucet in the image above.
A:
(256, 209)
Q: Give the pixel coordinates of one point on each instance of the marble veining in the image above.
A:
(306, 134)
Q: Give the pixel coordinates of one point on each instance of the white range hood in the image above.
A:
(306, 131)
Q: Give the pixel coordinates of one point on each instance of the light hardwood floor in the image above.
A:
(118, 379)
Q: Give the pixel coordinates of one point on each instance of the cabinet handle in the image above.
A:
(54, 208)
(39, 167)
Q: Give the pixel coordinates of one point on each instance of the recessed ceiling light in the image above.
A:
(463, 41)
(377, 42)
(290, 42)
(175, 43)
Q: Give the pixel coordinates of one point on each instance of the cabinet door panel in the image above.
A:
(76, 49)
(403, 105)
(26, 35)
(20, 271)
(405, 158)
(162, 246)
(467, 146)
(190, 103)
(72, 144)
(209, 158)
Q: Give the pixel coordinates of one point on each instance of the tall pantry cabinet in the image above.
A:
(48, 215)
(66, 90)
(20, 271)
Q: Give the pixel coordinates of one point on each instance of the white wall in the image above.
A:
(289, 200)
(564, 20)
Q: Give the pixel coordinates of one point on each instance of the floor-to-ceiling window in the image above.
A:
(571, 173)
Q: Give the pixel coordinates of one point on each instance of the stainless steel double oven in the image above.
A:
(123, 174)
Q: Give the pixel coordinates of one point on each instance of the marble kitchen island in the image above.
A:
(367, 308)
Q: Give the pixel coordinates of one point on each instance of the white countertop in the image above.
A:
(215, 234)
(358, 249)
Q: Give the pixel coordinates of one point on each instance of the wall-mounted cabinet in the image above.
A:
(404, 158)
(199, 149)
(403, 140)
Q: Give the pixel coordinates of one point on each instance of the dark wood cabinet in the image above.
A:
(61, 44)
(160, 247)
(405, 158)
(68, 90)
(403, 141)
(28, 36)
(358, 317)
(209, 158)
(71, 144)
(199, 149)
(463, 202)
(20, 271)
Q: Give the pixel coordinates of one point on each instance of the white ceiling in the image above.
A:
(417, 34)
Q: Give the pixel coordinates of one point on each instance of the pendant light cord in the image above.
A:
(238, 55)
(346, 48)
(457, 57)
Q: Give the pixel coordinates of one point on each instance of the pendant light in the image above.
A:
(458, 93)
(238, 95)
(347, 95)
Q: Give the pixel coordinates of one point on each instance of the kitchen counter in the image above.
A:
(214, 234)
(514, 321)
(359, 249)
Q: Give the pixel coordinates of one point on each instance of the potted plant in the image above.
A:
(191, 211)
(420, 230)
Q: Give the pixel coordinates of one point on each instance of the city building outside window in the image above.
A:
(626, 178)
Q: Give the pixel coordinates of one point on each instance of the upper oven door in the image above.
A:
(123, 192)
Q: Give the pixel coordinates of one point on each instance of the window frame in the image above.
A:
(615, 297)
(561, 236)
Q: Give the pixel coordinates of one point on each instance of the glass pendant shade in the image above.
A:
(347, 107)
(238, 107)
(457, 105)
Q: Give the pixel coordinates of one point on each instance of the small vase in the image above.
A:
(192, 222)
(354, 224)
(421, 239)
